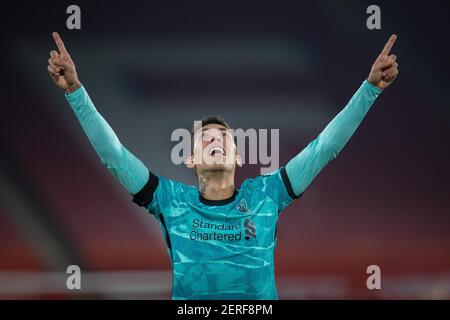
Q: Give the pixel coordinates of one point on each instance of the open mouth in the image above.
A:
(216, 150)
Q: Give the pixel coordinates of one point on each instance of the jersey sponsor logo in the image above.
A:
(215, 231)
(202, 231)
(250, 229)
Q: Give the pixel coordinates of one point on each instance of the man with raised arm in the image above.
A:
(220, 238)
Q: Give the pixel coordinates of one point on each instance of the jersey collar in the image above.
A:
(221, 202)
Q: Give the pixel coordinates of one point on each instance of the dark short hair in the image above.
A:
(205, 121)
(212, 119)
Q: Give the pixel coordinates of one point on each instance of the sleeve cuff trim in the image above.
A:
(288, 185)
(145, 196)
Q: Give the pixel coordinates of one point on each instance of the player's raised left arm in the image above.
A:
(304, 167)
(124, 165)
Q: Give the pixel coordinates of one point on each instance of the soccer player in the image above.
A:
(220, 238)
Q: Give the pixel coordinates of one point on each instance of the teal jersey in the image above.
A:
(220, 249)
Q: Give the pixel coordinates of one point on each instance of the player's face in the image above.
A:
(214, 149)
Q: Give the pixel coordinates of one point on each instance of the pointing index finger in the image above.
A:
(387, 48)
(59, 42)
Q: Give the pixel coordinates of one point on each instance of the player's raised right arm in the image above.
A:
(129, 170)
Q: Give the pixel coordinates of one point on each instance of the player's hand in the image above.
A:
(385, 69)
(61, 67)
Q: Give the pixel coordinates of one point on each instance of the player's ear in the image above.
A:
(239, 160)
(190, 162)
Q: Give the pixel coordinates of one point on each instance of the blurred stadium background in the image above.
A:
(151, 67)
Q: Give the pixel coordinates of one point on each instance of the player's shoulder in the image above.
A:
(262, 182)
(174, 186)
(176, 192)
(274, 185)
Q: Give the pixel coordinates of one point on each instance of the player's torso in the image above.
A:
(222, 251)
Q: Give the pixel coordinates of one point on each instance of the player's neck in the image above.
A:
(216, 186)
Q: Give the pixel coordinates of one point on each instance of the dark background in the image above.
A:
(151, 67)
